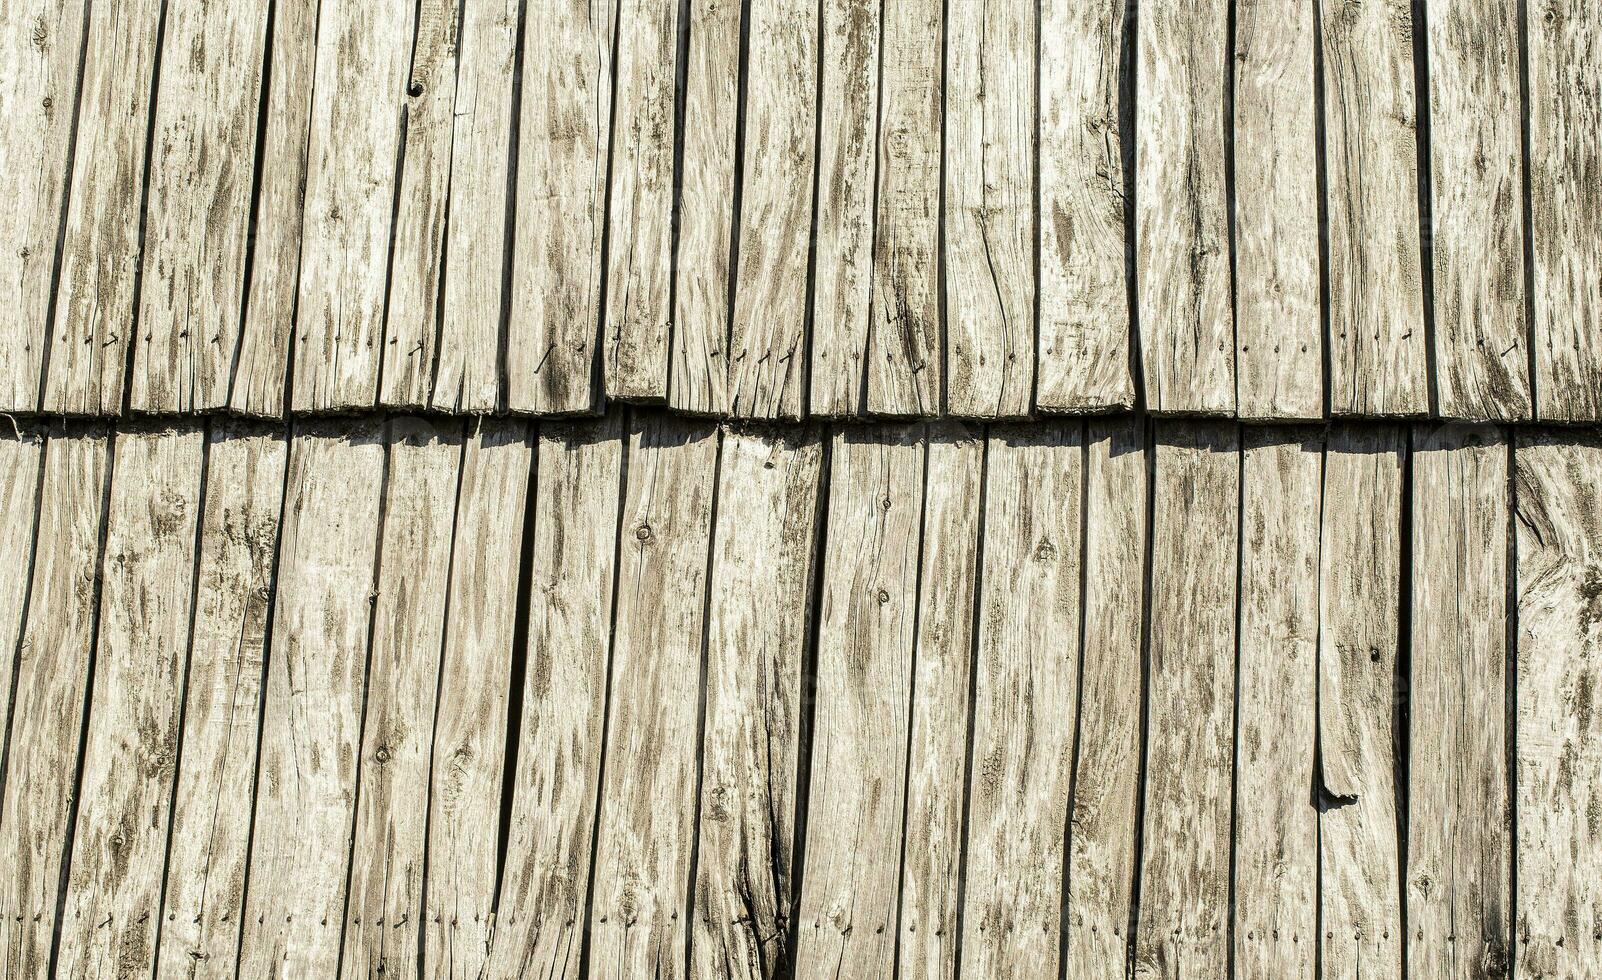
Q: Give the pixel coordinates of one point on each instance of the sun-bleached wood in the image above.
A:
(905, 336)
(1459, 839)
(1102, 818)
(989, 220)
(554, 325)
(384, 899)
(205, 886)
(1185, 867)
(1360, 702)
(847, 166)
(1026, 675)
(198, 216)
(1481, 351)
(937, 755)
(305, 804)
(1559, 733)
(1083, 358)
(119, 844)
(640, 911)
(1279, 330)
(544, 892)
(20, 455)
(1276, 828)
(757, 629)
(101, 239)
(1377, 351)
(51, 674)
(850, 894)
(1182, 257)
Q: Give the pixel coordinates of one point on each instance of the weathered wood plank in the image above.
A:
(989, 221)
(1565, 78)
(1026, 676)
(1360, 700)
(639, 259)
(767, 337)
(544, 893)
(842, 287)
(1182, 259)
(353, 161)
(20, 455)
(1083, 360)
(306, 784)
(1184, 875)
(1377, 356)
(470, 729)
(1477, 180)
(1276, 828)
(849, 894)
(1559, 844)
(1459, 838)
(198, 217)
(119, 845)
(222, 707)
(52, 671)
(937, 754)
(563, 156)
(1279, 331)
(95, 297)
(905, 336)
(757, 628)
(384, 900)
(1103, 818)
(40, 45)
(641, 910)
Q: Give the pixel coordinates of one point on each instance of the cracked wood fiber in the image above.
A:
(20, 456)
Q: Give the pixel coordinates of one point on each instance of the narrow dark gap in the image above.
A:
(973, 703)
(1426, 213)
(1321, 175)
(509, 234)
(1079, 704)
(1128, 96)
(873, 219)
(1531, 335)
(742, 86)
(681, 79)
(24, 614)
(940, 212)
(599, 360)
(144, 201)
(1231, 49)
(1401, 690)
(1321, 798)
(1234, 768)
(258, 159)
(810, 316)
(1138, 857)
(1511, 700)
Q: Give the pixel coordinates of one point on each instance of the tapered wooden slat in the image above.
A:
(198, 216)
(20, 456)
(1377, 355)
(305, 806)
(640, 911)
(849, 894)
(1182, 258)
(1026, 676)
(1459, 844)
(1184, 875)
(1279, 332)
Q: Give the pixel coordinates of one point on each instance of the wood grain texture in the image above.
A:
(100, 246)
(1477, 180)
(130, 761)
(989, 201)
(563, 156)
(50, 678)
(21, 454)
(305, 803)
(757, 629)
(1459, 845)
(1559, 844)
(1279, 330)
(639, 264)
(1361, 702)
(905, 339)
(1377, 351)
(1185, 868)
(544, 890)
(842, 287)
(641, 907)
(1276, 731)
(1565, 86)
(1083, 357)
(1182, 256)
(1026, 674)
(937, 753)
(197, 220)
(205, 885)
(849, 894)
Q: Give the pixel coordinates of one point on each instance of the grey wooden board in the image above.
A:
(20, 458)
